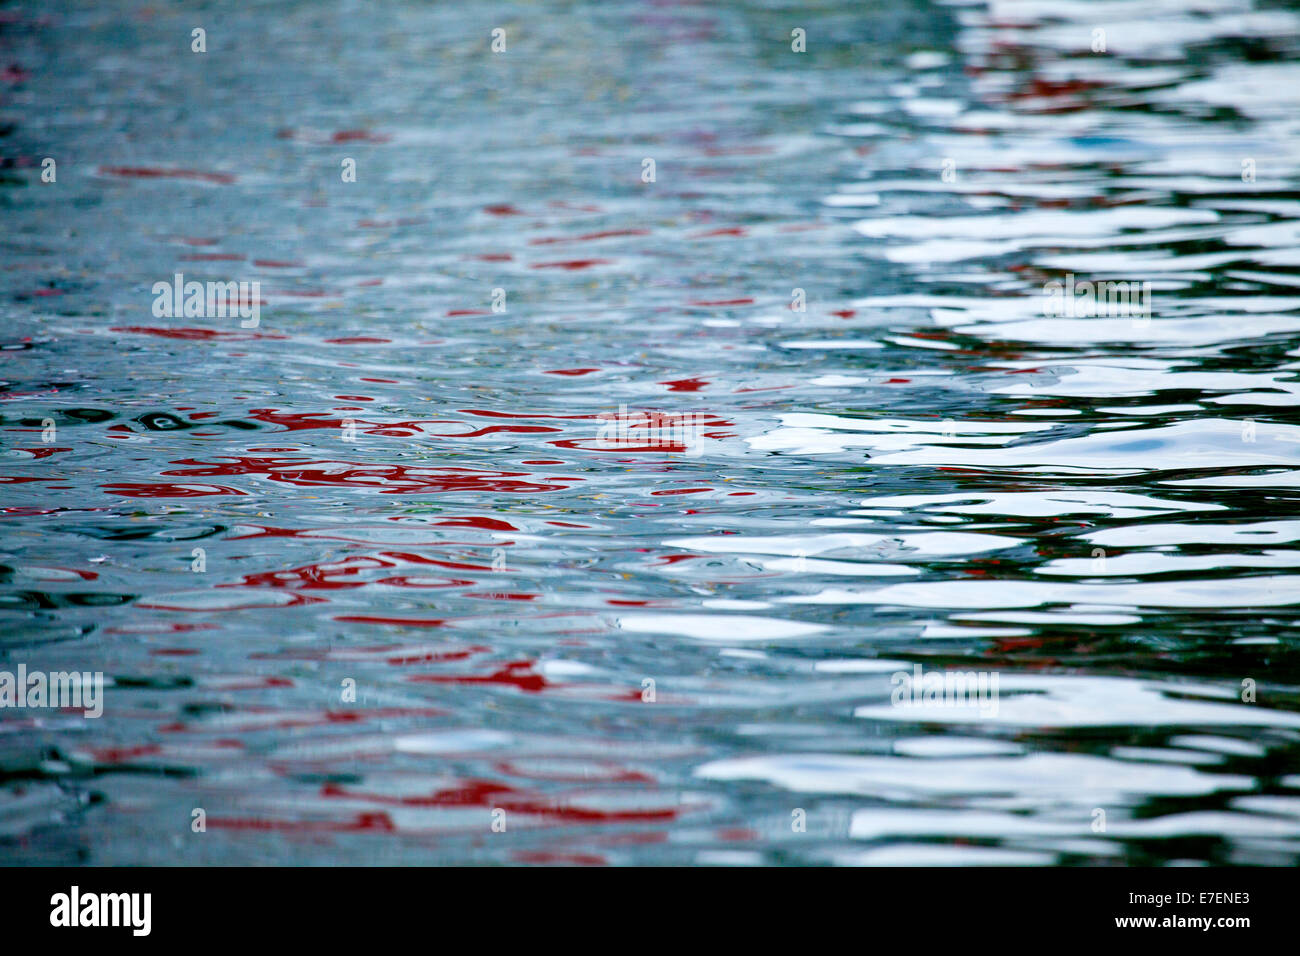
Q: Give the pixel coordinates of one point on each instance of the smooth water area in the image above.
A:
(366, 573)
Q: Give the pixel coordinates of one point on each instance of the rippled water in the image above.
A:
(394, 484)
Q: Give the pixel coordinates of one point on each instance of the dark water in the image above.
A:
(922, 466)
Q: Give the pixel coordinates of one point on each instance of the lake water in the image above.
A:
(634, 414)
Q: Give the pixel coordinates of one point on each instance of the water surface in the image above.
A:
(919, 467)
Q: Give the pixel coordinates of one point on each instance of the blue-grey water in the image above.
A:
(370, 582)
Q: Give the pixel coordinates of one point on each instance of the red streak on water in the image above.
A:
(609, 234)
(84, 575)
(491, 414)
(168, 628)
(685, 384)
(491, 429)
(487, 793)
(737, 834)
(624, 445)
(592, 770)
(406, 581)
(194, 334)
(358, 136)
(724, 302)
(402, 621)
(571, 264)
(117, 755)
(312, 420)
(396, 479)
(513, 674)
(317, 576)
(40, 452)
(473, 521)
(150, 172)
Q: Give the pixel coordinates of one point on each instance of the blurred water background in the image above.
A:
(393, 484)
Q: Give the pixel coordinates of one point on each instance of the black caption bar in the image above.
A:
(335, 906)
